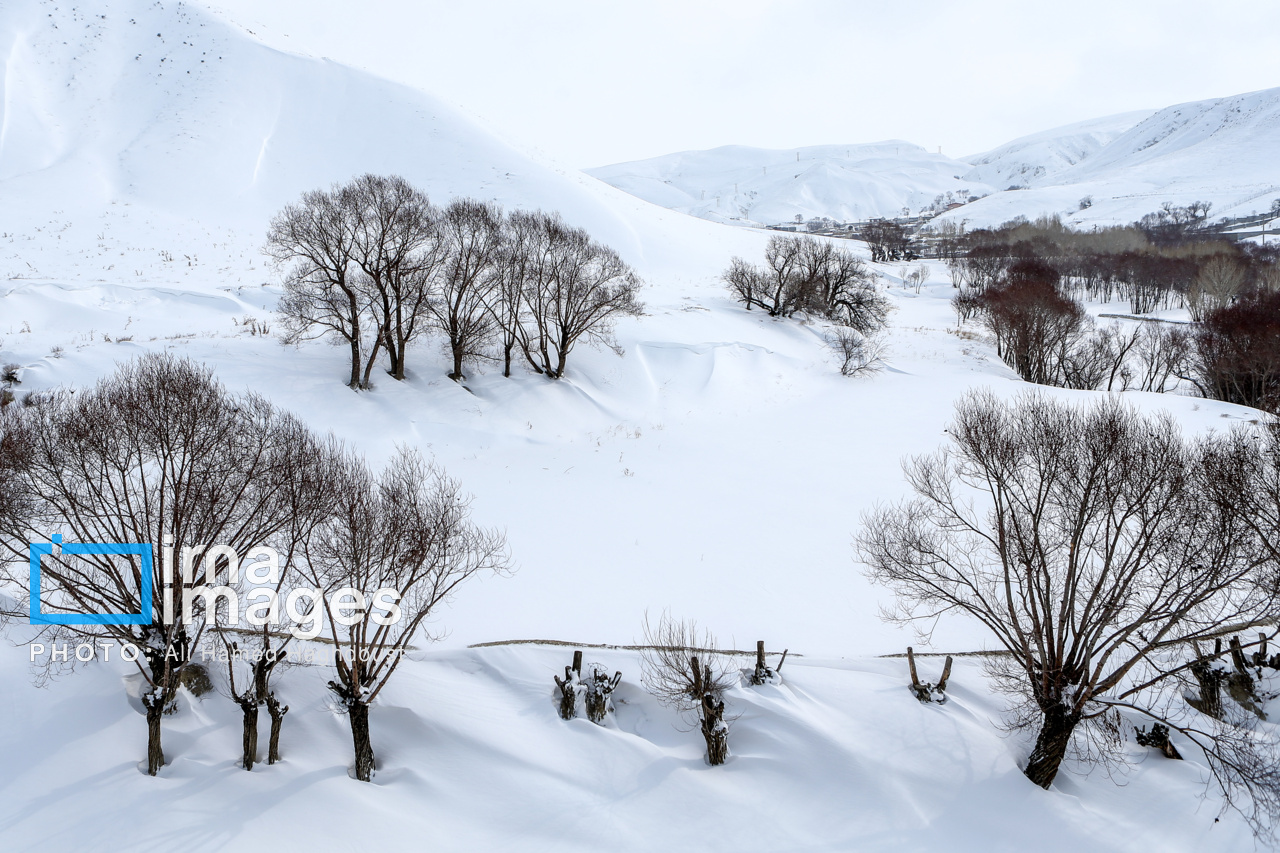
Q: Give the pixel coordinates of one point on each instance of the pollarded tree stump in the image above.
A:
(763, 673)
(598, 688)
(923, 690)
(1158, 737)
(1210, 679)
(715, 731)
(569, 687)
(277, 712)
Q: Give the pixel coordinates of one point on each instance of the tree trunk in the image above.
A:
(1051, 745)
(359, 713)
(457, 352)
(277, 712)
(396, 346)
(155, 754)
(354, 382)
(1210, 680)
(373, 359)
(761, 674)
(249, 741)
(714, 730)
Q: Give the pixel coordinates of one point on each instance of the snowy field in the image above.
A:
(718, 468)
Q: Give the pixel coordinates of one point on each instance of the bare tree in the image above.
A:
(858, 354)
(159, 454)
(518, 262)
(396, 547)
(682, 668)
(257, 648)
(1095, 553)
(1160, 356)
(312, 241)
(1034, 326)
(1237, 352)
(834, 284)
(748, 283)
(916, 277)
(470, 285)
(1218, 281)
(398, 247)
(574, 288)
(887, 240)
(1097, 358)
(802, 274)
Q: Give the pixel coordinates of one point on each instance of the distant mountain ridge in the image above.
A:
(1109, 170)
(759, 185)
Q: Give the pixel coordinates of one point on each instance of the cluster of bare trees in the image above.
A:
(161, 454)
(373, 265)
(810, 277)
(888, 240)
(1236, 356)
(1189, 268)
(1025, 294)
(1101, 551)
(1049, 338)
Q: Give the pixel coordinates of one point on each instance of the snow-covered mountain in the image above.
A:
(758, 185)
(1221, 150)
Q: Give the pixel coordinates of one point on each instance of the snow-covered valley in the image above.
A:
(719, 468)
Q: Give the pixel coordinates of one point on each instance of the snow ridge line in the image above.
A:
(566, 643)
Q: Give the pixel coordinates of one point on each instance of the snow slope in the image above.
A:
(718, 468)
(474, 758)
(844, 182)
(1041, 157)
(128, 123)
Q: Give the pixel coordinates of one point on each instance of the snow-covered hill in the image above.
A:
(138, 132)
(1040, 157)
(758, 185)
(1223, 151)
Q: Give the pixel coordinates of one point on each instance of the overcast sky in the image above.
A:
(593, 83)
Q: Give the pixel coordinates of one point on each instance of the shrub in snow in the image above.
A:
(858, 354)
(683, 670)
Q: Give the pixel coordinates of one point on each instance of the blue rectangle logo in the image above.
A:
(142, 550)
